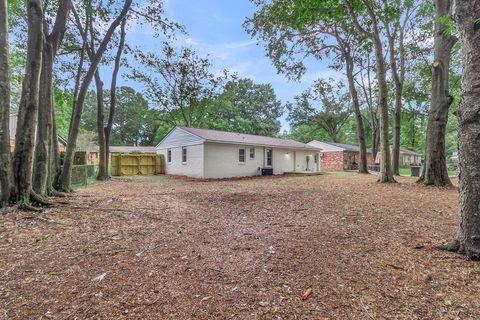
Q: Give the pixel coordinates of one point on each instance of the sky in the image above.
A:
(214, 28)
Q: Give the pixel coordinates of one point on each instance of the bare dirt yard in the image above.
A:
(164, 248)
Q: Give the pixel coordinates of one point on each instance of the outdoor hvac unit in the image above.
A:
(267, 171)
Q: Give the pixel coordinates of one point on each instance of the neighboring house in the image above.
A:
(13, 130)
(205, 153)
(407, 157)
(339, 156)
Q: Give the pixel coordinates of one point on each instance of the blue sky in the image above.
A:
(214, 27)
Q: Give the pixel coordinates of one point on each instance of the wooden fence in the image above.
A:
(129, 164)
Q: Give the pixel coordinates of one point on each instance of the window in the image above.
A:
(252, 153)
(241, 155)
(269, 157)
(169, 155)
(184, 154)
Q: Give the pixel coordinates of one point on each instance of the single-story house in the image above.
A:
(13, 130)
(339, 156)
(206, 153)
(407, 157)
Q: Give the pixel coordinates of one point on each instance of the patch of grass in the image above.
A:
(280, 282)
(452, 245)
(405, 171)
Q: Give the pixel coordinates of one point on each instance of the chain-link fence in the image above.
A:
(83, 175)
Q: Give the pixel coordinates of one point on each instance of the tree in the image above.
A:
(28, 109)
(133, 123)
(178, 82)
(466, 15)
(333, 112)
(397, 20)
(5, 162)
(46, 149)
(245, 107)
(65, 177)
(296, 30)
(435, 168)
(369, 99)
(113, 90)
(364, 17)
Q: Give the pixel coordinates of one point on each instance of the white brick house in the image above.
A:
(205, 153)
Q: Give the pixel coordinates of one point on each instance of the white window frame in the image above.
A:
(271, 157)
(184, 155)
(244, 156)
(169, 155)
(252, 153)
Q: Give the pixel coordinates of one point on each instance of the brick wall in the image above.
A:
(335, 160)
(331, 160)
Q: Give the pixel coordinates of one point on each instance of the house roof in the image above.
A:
(242, 138)
(128, 149)
(406, 151)
(343, 146)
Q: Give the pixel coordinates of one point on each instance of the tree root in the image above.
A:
(28, 207)
(55, 193)
(40, 200)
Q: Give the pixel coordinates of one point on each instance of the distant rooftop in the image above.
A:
(344, 146)
(242, 138)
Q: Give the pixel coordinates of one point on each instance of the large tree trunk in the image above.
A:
(44, 128)
(5, 155)
(466, 15)
(28, 110)
(362, 167)
(398, 75)
(65, 177)
(113, 93)
(398, 109)
(42, 182)
(435, 168)
(102, 167)
(385, 174)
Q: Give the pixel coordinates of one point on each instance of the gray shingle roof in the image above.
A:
(242, 138)
(346, 147)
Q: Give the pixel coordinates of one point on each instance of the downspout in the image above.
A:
(264, 150)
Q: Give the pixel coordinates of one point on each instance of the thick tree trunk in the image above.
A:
(28, 110)
(44, 128)
(113, 93)
(65, 177)
(102, 166)
(362, 167)
(396, 128)
(385, 174)
(42, 180)
(435, 168)
(374, 142)
(5, 155)
(466, 15)
(398, 74)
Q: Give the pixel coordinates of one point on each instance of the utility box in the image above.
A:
(415, 171)
(267, 171)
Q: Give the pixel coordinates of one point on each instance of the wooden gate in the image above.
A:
(129, 164)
